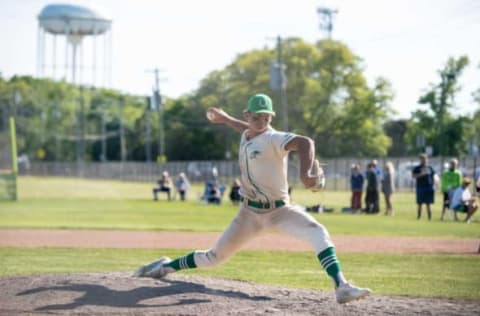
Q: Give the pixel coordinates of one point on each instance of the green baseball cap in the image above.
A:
(260, 103)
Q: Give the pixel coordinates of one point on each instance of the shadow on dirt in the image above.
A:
(99, 295)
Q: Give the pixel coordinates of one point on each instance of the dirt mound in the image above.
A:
(120, 294)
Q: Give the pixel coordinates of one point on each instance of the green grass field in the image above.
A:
(84, 204)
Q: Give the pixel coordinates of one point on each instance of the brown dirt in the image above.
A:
(188, 240)
(120, 294)
(178, 294)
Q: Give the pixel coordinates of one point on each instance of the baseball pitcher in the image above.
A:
(265, 202)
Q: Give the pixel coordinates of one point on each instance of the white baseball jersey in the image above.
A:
(264, 164)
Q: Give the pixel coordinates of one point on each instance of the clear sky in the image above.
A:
(405, 41)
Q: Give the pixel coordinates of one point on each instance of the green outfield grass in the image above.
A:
(446, 276)
(87, 204)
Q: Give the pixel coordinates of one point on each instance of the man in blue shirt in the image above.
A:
(425, 185)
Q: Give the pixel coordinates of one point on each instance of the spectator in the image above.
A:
(378, 170)
(477, 180)
(451, 180)
(371, 197)
(388, 186)
(235, 192)
(164, 185)
(424, 175)
(182, 185)
(462, 201)
(213, 192)
(356, 185)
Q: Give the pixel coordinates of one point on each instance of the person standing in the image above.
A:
(424, 174)
(263, 159)
(388, 186)
(371, 196)
(356, 185)
(451, 180)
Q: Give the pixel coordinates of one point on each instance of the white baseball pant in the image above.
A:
(250, 222)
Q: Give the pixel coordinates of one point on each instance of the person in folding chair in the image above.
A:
(463, 201)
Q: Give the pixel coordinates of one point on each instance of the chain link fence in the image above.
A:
(337, 171)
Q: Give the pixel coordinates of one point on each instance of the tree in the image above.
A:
(444, 132)
(54, 118)
(328, 97)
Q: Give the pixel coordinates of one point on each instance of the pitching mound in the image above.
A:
(120, 294)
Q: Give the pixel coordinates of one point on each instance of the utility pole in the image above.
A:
(123, 144)
(81, 128)
(283, 85)
(103, 157)
(148, 130)
(278, 82)
(157, 99)
(326, 19)
(57, 115)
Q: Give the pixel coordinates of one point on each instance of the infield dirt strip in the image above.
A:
(118, 293)
(188, 240)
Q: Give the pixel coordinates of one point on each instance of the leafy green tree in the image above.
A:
(328, 97)
(443, 131)
(52, 117)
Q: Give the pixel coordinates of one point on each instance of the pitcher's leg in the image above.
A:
(245, 226)
(293, 221)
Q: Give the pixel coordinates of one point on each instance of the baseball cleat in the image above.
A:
(346, 293)
(154, 269)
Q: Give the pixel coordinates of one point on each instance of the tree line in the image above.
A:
(328, 99)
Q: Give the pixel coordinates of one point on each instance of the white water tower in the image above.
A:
(74, 43)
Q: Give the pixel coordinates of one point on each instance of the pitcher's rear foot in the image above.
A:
(154, 269)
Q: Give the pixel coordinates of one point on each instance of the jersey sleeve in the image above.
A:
(281, 139)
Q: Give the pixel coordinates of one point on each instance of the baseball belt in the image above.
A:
(266, 205)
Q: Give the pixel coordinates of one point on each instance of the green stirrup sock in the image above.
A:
(330, 263)
(185, 262)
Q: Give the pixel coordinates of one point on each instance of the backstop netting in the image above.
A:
(8, 161)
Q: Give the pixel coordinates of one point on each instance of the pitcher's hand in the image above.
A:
(316, 178)
(216, 115)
